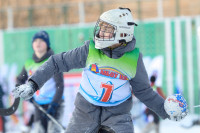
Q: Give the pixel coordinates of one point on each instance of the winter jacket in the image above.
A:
(77, 58)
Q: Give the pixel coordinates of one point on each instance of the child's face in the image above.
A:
(39, 46)
(106, 30)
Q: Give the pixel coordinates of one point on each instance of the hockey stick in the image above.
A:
(48, 115)
(194, 122)
(196, 106)
(10, 110)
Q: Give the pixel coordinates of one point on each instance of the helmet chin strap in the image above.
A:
(117, 45)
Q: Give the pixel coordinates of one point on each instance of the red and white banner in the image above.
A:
(71, 83)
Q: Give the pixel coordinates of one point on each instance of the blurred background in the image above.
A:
(167, 35)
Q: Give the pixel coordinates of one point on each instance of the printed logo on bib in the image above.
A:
(107, 91)
(30, 72)
(108, 71)
(94, 68)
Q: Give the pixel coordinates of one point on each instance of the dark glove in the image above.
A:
(31, 100)
(52, 109)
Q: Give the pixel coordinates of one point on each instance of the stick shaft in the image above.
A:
(50, 117)
(196, 106)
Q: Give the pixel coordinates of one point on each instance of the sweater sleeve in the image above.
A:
(59, 87)
(143, 91)
(62, 62)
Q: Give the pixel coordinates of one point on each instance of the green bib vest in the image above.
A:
(46, 94)
(125, 66)
(31, 66)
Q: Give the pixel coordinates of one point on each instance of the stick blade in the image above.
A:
(10, 110)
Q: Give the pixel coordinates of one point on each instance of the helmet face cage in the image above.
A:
(113, 27)
(104, 31)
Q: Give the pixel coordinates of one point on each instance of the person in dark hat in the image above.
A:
(50, 97)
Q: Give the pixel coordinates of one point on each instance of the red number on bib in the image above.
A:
(108, 91)
(37, 92)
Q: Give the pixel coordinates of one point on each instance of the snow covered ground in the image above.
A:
(167, 126)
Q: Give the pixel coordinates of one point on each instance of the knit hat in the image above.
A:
(42, 35)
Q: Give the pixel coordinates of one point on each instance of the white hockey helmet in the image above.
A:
(122, 24)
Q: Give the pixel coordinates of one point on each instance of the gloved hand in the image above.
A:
(25, 91)
(52, 109)
(176, 107)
